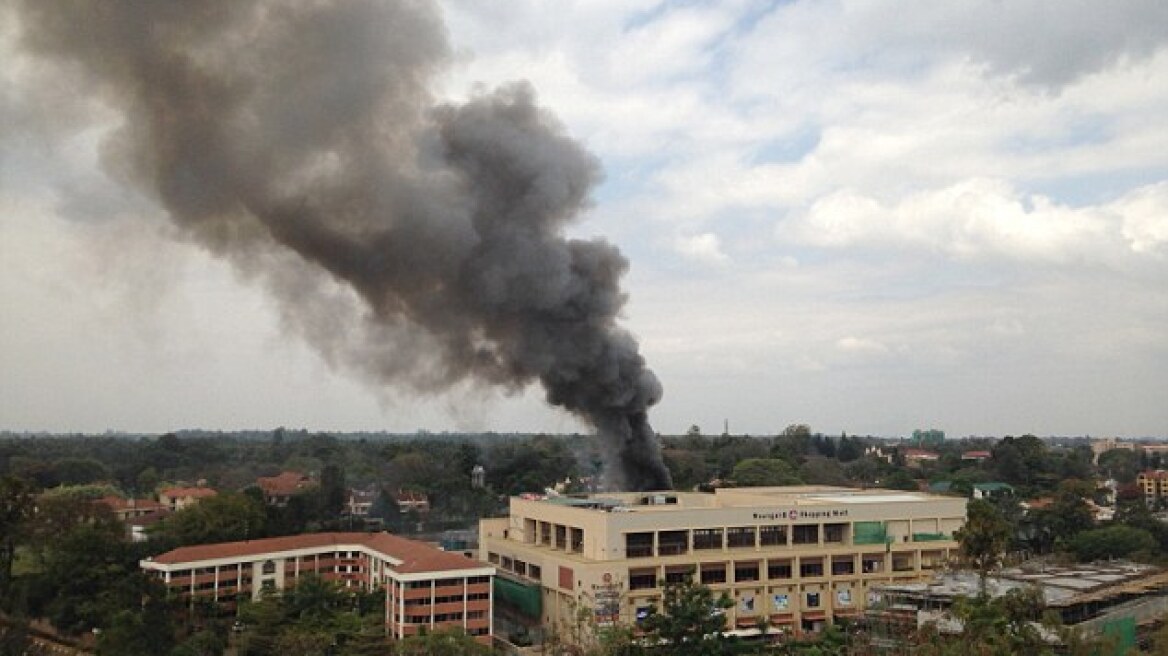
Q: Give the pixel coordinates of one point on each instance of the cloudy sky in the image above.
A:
(863, 216)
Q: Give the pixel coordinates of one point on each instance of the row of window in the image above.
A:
(775, 570)
(446, 617)
(556, 536)
(445, 583)
(447, 599)
(672, 543)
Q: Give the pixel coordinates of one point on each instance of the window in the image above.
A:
(870, 563)
(535, 572)
(813, 600)
(834, 532)
(769, 536)
(707, 538)
(810, 567)
(672, 543)
(745, 572)
(779, 569)
(577, 545)
(843, 566)
(806, 534)
(269, 567)
(740, 536)
(678, 574)
(642, 579)
(638, 545)
(713, 574)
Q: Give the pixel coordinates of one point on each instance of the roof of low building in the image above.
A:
(411, 556)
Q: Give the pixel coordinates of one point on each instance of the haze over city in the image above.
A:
(863, 217)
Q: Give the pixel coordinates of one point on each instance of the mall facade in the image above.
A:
(797, 557)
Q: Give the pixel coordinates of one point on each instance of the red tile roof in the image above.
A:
(119, 504)
(976, 455)
(920, 453)
(414, 556)
(151, 518)
(283, 484)
(183, 492)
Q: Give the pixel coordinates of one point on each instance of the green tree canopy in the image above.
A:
(1117, 541)
(984, 537)
(757, 472)
(690, 621)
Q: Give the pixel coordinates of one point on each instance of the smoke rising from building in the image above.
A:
(298, 137)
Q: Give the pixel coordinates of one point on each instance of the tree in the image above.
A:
(1116, 541)
(224, 517)
(984, 538)
(759, 472)
(818, 470)
(690, 622)
(333, 490)
(443, 642)
(16, 507)
(900, 480)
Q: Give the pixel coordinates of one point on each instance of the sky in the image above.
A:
(863, 216)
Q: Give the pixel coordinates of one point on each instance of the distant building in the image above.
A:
(797, 557)
(976, 456)
(128, 509)
(139, 527)
(931, 438)
(992, 490)
(408, 500)
(478, 477)
(914, 457)
(1115, 599)
(277, 490)
(360, 502)
(177, 498)
(425, 588)
(1154, 484)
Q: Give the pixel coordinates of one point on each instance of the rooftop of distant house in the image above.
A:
(283, 484)
(116, 503)
(920, 454)
(184, 492)
(976, 455)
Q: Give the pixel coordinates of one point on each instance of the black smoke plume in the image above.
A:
(299, 137)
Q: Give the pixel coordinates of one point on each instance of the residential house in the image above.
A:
(177, 498)
(279, 489)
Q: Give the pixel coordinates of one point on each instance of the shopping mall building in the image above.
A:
(798, 557)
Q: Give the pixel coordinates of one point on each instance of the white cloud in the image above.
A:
(703, 248)
(861, 345)
(982, 217)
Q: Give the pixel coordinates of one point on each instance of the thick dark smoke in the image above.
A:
(293, 137)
